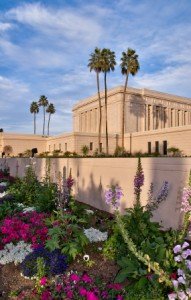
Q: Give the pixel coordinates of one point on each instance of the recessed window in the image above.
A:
(54, 146)
(157, 147)
(91, 146)
(60, 147)
(165, 147)
(149, 147)
(65, 146)
(101, 147)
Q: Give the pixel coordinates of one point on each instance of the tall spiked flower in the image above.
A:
(113, 196)
(138, 181)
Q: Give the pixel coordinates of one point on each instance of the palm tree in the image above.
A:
(34, 109)
(129, 65)
(95, 64)
(43, 101)
(50, 110)
(107, 64)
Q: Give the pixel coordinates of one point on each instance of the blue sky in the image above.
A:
(45, 47)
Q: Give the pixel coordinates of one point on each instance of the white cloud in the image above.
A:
(5, 26)
(60, 22)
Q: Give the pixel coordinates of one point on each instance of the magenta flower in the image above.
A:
(85, 278)
(91, 296)
(74, 277)
(82, 291)
(43, 281)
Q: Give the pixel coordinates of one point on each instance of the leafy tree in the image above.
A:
(95, 65)
(129, 65)
(107, 64)
(34, 109)
(50, 110)
(43, 101)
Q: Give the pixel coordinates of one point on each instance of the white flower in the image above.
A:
(28, 209)
(20, 205)
(182, 296)
(14, 253)
(3, 194)
(86, 257)
(27, 166)
(3, 183)
(100, 248)
(89, 211)
(94, 235)
(172, 296)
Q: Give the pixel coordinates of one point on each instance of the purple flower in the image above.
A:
(182, 296)
(177, 249)
(113, 196)
(186, 195)
(172, 296)
(186, 253)
(188, 264)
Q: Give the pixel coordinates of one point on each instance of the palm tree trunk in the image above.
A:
(34, 123)
(123, 112)
(48, 124)
(100, 113)
(44, 122)
(106, 129)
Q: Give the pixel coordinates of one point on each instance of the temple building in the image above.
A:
(154, 122)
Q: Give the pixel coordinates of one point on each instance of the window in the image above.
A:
(65, 146)
(165, 147)
(49, 148)
(178, 120)
(156, 147)
(149, 147)
(54, 146)
(101, 147)
(91, 146)
(60, 147)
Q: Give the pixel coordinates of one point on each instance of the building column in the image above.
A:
(151, 117)
(146, 117)
(169, 117)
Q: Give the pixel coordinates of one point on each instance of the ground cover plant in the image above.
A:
(58, 247)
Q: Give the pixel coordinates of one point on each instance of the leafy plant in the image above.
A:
(85, 150)
(66, 234)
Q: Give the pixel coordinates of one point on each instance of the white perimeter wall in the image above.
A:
(93, 175)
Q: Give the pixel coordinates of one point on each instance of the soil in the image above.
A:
(11, 280)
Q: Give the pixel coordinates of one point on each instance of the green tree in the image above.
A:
(34, 109)
(107, 64)
(95, 65)
(50, 110)
(129, 65)
(43, 101)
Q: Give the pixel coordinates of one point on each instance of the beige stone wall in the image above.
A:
(22, 142)
(179, 137)
(93, 175)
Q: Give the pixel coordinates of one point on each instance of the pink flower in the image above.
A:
(46, 295)
(58, 288)
(86, 278)
(82, 291)
(69, 294)
(91, 296)
(43, 281)
(119, 297)
(74, 277)
(115, 286)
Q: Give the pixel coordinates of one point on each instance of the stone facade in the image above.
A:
(154, 121)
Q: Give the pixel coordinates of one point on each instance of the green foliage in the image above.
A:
(147, 237)
(31, 192)
(146, 289)
(45, 199)
(121, 152)
(67, 235)
(8, 208)
(174, 151)
(85, 150)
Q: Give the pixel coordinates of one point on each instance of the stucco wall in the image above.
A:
(93, 175)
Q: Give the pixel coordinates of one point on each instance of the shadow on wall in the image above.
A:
(176, 172)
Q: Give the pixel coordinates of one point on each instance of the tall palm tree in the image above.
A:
(95, 65)
(34, 109)
(129, 65)
(43, 101)
(50, 110)
(107, 64)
